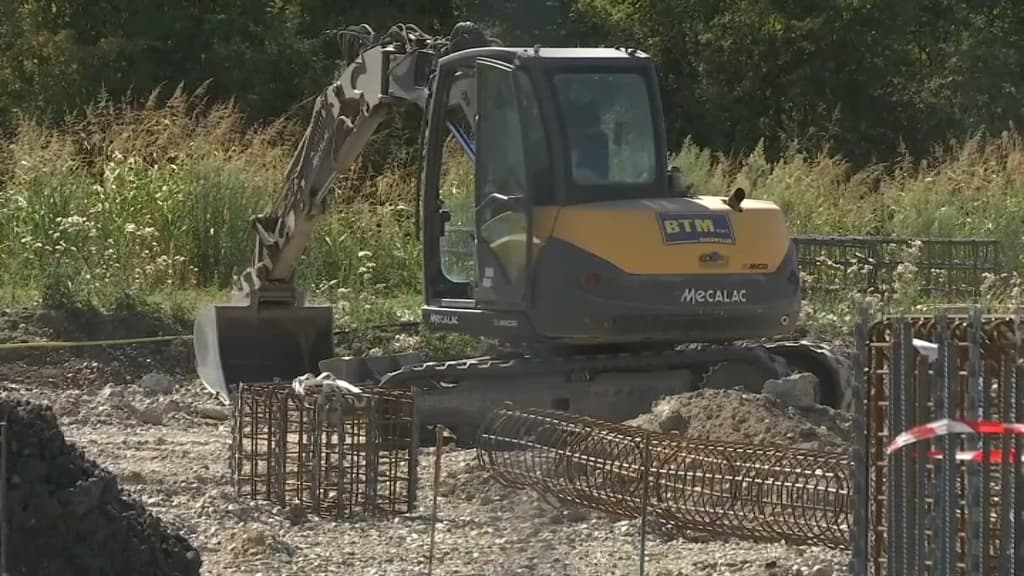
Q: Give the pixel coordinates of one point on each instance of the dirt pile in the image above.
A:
(739, 416)
(67, 515)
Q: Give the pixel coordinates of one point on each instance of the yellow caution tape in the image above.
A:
(86, 343)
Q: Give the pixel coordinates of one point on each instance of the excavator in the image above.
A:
(551, 222)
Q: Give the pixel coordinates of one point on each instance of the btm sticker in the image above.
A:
(681, 228)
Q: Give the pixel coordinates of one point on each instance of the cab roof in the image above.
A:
(546, 53)
(542, 52)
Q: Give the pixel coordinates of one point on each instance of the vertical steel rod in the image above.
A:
(859, 449)
(1007, 494)
(343, 494)
(896, 530)
(921, 414)
(414, 450)
(370, 446)
(947, 508)
(645, 470)
(1017, 545)
(907, 395)
(976, 539)
(438, 448)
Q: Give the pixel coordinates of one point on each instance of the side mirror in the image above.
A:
(677, 183)
(445, 218)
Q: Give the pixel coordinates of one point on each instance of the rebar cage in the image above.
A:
(755, 492)
(943, 267)
(929, 508)
(336, 453)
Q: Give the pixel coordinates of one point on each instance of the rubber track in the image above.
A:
(771, 357)
(528, 366)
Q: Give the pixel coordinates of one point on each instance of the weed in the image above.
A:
(153, 203)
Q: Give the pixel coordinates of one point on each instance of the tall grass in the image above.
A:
(973, 189)
(136, 201)
(139, 200)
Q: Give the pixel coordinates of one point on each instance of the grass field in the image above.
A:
(151, 205)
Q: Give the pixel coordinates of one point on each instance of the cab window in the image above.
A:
(610, 131)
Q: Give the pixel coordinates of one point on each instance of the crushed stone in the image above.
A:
(180, 472)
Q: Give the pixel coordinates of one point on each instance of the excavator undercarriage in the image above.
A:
(609, 283)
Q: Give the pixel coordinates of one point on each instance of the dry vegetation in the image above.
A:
(151, 203)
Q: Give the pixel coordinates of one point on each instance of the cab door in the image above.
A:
(503, 220)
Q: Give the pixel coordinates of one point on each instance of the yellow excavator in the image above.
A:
(566, 236)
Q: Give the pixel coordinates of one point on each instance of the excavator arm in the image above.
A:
(266, 331)
(382, 77)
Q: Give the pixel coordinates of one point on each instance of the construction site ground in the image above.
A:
(140, 412)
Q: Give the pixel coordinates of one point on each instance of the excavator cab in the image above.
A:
(527, 121)
(568, 227)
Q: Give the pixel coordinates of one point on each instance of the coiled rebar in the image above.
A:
(760, 493)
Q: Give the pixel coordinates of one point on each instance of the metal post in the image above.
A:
(645, 466)
(859, 449)
(1018, 468)
(946, 372)
(414, 449)
(976, 476)
(896, 532)
(1007, 494)
(342, 481)
(316, 439)
(921, 415)
(280, 448)
(438, 448)
(372, 466)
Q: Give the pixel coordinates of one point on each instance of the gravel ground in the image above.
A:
(166, 439)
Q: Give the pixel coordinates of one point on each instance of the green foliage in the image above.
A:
(144, 200)
(151, 203)
(865, 76)
(973, 189)
(847, 113)
(871, 79)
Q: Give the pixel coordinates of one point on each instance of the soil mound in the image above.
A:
(67, 514)
(738, 416)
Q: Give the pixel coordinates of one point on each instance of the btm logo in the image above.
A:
(704, 228)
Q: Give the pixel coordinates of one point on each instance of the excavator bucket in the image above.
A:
(239, 343)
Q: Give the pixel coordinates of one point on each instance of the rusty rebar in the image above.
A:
(759, 493)
(335, 453)
(965, 513)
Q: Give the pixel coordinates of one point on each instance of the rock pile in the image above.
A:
(66, 514)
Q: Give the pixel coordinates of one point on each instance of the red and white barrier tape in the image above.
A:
(948, 426)
(994, 456)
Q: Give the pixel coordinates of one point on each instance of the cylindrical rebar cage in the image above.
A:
(759, 493)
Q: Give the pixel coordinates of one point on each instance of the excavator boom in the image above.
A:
(266, 331)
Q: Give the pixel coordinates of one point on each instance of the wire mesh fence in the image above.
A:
(952, 508)
(938, 267)
(336, 453)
